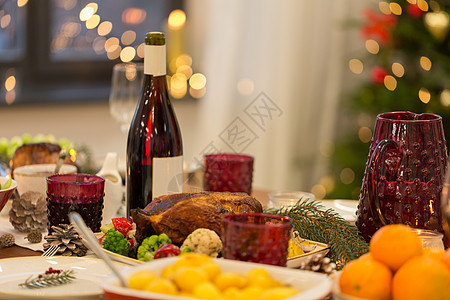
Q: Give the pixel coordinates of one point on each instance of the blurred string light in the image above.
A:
(21, 3)
(398, 69)
(384, 7)
(425, 63)
(140, 50)
(104, 28)
(422, 4)
(128, 37)
(245, 86)
(177, 19)
(10, 85)
(424, 95)
(390, 82)
(365, 134)
(5, 21)
(127, 54)
(347, 176)
(372, 46)
(445, 97)
(395, 8)
(356, 66)
(133, 16)
(319, 191)
(412, 1)
(93, 22)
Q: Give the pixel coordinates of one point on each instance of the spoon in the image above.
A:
(59, 163)
(92, 243)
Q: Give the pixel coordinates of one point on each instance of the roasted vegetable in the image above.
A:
(203, 241)
(167, 250)
(114, 241)
(149, 245)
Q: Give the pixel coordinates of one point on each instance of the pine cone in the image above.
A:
(34, 237)
(318, 263)
(29, 212)
(67, 239)
(7, 240)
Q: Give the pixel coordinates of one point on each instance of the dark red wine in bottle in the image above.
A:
(154, 147)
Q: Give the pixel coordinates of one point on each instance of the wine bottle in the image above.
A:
(154, 146)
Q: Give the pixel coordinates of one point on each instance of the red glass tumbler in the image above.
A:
(228, 173)
(82, 193)
(259, 238)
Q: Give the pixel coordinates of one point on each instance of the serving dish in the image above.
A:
(311, 285)
(89, 272)
(292, 262)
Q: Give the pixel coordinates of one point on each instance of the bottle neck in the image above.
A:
(155, 60)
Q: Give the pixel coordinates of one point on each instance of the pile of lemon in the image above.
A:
(198, 276)
(398, 268)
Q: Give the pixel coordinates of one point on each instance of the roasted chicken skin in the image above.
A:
(178, 215)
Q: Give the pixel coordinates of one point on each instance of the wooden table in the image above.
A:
(17, 251)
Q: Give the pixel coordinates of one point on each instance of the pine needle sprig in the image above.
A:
(47, 280)
(314, 222)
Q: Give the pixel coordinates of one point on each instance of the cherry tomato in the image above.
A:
(122, 225)
(167, 250)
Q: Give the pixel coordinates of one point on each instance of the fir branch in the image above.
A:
(314, 222)
(46, 280)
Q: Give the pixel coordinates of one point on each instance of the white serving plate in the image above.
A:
(311, 285)
(89, 272)
(292, 262)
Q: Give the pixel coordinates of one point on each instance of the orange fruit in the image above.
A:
(366, 278)
(395, 244)
(421, 278)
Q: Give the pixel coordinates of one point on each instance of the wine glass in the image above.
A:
(126, 85)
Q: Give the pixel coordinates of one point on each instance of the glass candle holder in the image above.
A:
(228, 173)
(82, 193)
(430, 239)
(259, 238)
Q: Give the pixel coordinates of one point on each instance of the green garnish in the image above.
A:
(6, 185)
(49, 278)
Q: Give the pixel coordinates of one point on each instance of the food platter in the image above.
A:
(292, 262)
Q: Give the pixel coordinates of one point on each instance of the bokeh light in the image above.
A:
(114, 53)
(133, 16)
(384, 7)
(128, 37)
(356, 66)
(395, 8)
(347, 176)
(93, 22)
(319, 191)
(424, 95)
(186, 70)
(5, 21)
(104, 28)
(10, 97)
(177, 19)
(140, 51)
(197, 81)
(70, 29)
(398, 69)
(390, 82)
(445, 98)
(86, 13)
(197, 93)
(422, 4)
(183, 59)
(111, 44)
(365, 134)
(10, 83)
(99, 45)
(245, 86)
(372, 46)
(425, 63)
(21, 3)
(178, 85)
(127, 54)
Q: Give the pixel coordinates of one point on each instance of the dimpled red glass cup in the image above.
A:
(259, 238)
(82, 193)
(228, 173)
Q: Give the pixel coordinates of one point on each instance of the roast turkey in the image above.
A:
(178, 215)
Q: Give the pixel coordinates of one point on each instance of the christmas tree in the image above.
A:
(406, 68)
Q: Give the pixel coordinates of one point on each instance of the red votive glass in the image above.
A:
(228, 173)
(259, 238)
(82, 193)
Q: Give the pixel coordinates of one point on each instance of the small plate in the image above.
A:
(89, 273)
(321, 250)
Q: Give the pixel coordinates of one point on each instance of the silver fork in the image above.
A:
(51, 251)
